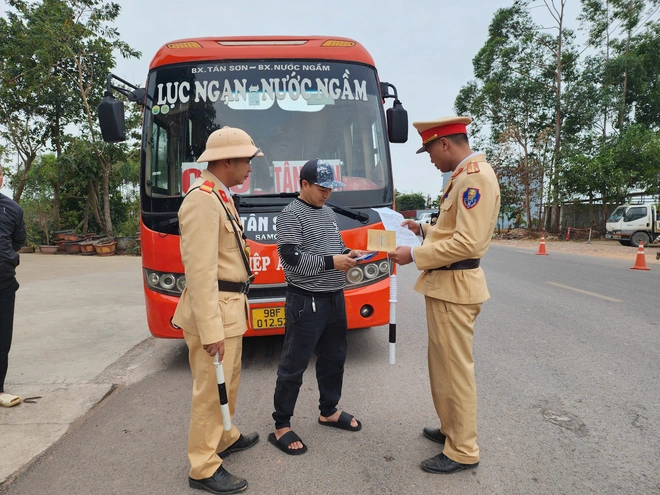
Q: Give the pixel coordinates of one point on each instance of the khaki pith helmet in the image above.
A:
(229, 142)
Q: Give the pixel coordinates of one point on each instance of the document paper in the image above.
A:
(392, 222)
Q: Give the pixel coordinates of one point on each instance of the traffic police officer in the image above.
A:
(454, 285)
(213, 307)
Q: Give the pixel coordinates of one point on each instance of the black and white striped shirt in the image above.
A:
(307, 238)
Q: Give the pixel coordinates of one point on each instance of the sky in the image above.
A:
(425, 48)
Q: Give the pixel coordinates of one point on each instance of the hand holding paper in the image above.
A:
(401, 255)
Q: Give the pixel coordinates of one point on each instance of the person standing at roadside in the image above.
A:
(454, 285)
(12, 238)
(314, 259)
(213, 307)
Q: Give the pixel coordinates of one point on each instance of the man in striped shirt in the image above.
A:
(314, 259)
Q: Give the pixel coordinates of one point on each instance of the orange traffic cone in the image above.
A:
(542, 246)
(640, 261)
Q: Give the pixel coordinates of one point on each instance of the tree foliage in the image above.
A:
(55, 57)
(409, 201)
(566, 122)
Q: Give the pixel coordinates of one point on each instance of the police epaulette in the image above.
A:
(473, 168)
(207, 187)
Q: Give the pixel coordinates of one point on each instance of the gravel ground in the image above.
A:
(607, 249)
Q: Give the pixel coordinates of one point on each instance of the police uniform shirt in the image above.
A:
(210, 252)
(468, 214)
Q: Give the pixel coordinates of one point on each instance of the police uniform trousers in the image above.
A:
(206, 436)
(451, 371)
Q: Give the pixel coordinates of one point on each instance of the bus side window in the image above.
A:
(158, 173)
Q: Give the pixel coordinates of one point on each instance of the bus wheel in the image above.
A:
(638, 237)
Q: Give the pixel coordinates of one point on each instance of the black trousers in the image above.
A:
(7, 300)
(313, 325)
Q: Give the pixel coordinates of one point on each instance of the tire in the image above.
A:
(638, 237)
(624, 243)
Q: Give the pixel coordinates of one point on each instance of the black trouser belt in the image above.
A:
(462, 265)
(242, 287)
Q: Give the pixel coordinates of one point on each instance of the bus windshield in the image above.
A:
(294, 111)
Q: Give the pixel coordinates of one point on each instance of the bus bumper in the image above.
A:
(160, 310)
(365, 307)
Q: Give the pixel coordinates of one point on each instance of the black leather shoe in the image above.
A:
(434, 434)
(441, 464)
(244, 442)
(220, 483)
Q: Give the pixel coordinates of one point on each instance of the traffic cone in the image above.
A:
(640, 261)
(542, 246)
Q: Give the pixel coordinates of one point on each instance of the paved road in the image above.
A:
(567, 358)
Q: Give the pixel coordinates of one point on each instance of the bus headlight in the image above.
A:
(371, 271)
(367, 273)
(153, 279)
(166, 283)
(384, 266)
(354, 275)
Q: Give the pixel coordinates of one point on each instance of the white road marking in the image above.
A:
(611, 299)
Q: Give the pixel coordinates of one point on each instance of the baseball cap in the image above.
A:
(446, 126)
(229, 142)
(321, 173)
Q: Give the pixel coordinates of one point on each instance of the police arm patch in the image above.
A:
(471, 197)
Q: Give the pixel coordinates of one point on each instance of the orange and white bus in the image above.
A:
(299, 98)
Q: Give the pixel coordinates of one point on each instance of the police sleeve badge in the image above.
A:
(471, 197)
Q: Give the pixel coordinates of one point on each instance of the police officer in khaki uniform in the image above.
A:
(213, 307)
(454, 285)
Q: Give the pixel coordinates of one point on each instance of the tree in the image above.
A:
(518, 95)
(70, 44)
(21, 122)
(411, 201)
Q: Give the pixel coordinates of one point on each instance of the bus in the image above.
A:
(299, 98)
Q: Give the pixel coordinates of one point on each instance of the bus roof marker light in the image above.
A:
(185, 44)
(262, 43)
(338, 43)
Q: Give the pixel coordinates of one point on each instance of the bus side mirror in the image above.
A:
(111, 119)
(397, 123)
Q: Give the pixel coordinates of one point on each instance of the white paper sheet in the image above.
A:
(392, 221)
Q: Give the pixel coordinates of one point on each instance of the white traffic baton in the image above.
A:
(392, 319)
(222, 391)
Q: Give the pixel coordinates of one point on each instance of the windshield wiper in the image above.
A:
(354, 214)
(348, 212)
(242, 202)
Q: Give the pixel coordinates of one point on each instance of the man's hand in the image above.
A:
(343, 261)
(413, 226)
(401, 255)
(216, 348)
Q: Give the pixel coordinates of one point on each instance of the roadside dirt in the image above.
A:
(604, 248)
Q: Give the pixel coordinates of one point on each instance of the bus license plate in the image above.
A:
(263, 318)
